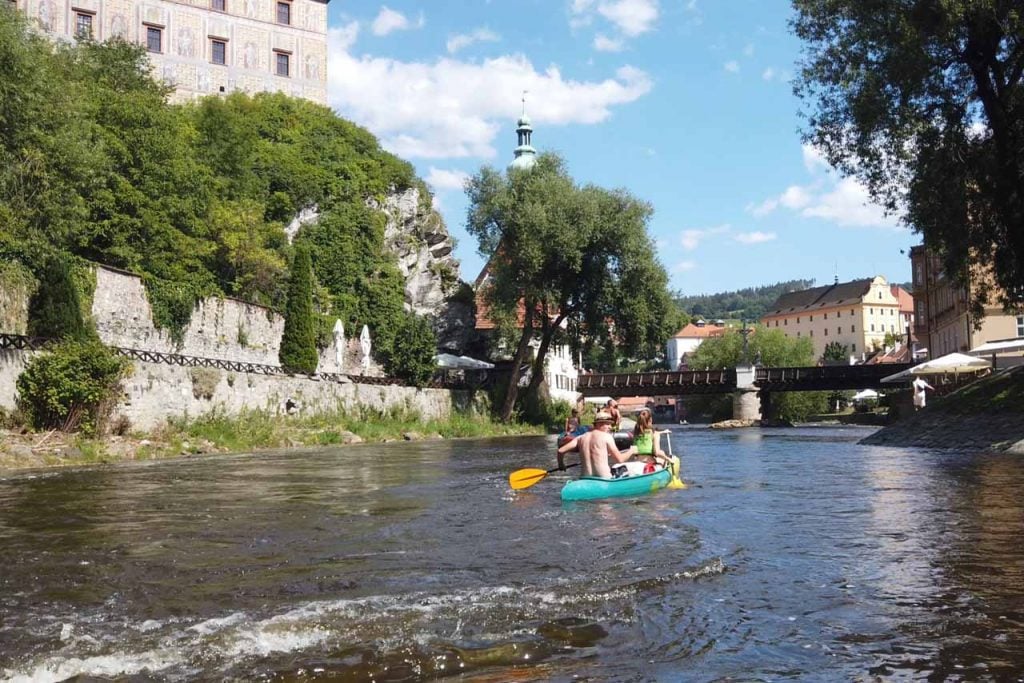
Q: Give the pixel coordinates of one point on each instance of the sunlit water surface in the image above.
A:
(793, 554)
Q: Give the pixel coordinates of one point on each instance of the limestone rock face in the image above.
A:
(417, 236)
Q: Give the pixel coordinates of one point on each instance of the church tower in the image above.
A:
(525, 154)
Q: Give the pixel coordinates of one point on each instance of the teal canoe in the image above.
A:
(592, 488)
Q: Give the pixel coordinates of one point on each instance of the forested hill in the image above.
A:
(750, 303)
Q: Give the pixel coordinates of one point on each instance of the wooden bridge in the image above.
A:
(829, 377)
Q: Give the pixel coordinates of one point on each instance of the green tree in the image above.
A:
(559, 252)
(411, 357)
(55, 309)
(923, 102)
(836, 352)
(298, 341)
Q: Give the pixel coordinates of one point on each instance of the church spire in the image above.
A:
(525, 154)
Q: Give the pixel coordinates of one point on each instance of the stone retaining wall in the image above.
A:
(155, 392)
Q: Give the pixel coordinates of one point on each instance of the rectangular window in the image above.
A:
(785, 322)
(871, 311)
(1020, 325)
(219, 5)
(798, 320)
(826, 316)
(839, 330)
(826, 332)
(284, 13)
(812, 333)
(281, 62)
(154, 39)
(853, 328)
(812, 318)
(83, 25)
(218, 52)
(872, 327)
(851, 312)
(853, 347)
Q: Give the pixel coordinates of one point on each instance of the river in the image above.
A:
(794, 554)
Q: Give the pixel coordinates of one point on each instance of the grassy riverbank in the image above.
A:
(248, 432)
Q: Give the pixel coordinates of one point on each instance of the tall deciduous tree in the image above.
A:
(923, 101)
(561, 252)
(298, 341)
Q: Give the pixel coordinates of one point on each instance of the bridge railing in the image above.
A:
(654, 382)
(828, 376)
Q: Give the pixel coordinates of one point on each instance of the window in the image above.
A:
(851, 312)
(776, 323)
(812, 333)
(853, 328)
(83, 25)
(826, 316)
(798, 334)
(879, 295)
(218, 51)
(284, 13)
(871, 311)
(839, 330)
(826, 332)
(219, 5)
(281, 62)
(1020, 325)
(798, 320)
(785, 322)
(872, 327)
(154, 39)
(853, 347)
(812, 318)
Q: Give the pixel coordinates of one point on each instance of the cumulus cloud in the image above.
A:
(844, 201)
(450, 108)
(732, 66)
(691, 238)
(756, 237)
(479, 35)
(388, 20)
(631, 18)
(603, 43)
(441, 179)
(343, 37)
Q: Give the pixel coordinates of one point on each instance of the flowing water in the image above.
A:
(793, 554)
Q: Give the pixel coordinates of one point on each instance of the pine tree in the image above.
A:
(298, 342)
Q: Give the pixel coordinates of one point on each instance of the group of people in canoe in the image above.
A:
(598, 451)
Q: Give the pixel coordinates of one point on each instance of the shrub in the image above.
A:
(411, 357)
(73, 386)
(298, 342)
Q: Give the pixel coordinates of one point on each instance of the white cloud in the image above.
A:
(768, 74)
(343, 37)
(732, 66)
(441, 179)
(603, 43)
(630, 17)
(389, 20)
(756, 237)
(684, 266)
(843, 201)
(450, 108)
(691, 238)
(479, 35)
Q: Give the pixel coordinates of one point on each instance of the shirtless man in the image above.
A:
(597, 447)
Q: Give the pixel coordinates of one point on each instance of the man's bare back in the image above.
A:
(596, 447)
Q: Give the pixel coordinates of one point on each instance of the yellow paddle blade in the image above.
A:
(676, 482)
(521, 479)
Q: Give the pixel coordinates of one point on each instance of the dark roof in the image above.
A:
(821, 296)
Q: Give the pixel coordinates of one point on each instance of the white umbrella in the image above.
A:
(865, 395)
(953, 362)
(448, 360)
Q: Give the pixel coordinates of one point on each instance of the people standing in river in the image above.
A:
(597, 448)
(647, 439)
(920, 387)
(572, 423)
(612, 407)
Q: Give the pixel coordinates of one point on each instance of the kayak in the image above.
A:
(638, 484)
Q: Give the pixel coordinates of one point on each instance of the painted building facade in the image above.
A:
(857, 314)
(686, 341)
(943, 320)
(205, 47)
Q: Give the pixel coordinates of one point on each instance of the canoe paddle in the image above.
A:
(525, 478)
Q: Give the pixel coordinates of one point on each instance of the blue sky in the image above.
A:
(685, 103)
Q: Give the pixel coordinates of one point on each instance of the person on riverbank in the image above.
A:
(597, 448)
(920, 387)
(647, 439)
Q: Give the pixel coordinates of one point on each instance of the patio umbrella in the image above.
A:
(865, 395)
(953, 362)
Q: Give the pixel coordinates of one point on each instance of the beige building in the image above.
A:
(856, 314)
(206, 47)
(944, 323)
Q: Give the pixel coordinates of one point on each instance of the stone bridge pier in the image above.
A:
(746, 404)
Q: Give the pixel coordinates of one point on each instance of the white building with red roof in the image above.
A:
(686, 340)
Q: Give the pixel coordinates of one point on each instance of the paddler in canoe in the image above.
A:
(596, 448)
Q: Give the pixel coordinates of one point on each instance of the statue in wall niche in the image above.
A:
(339, 345)
(312, 68)
(118, 26)
(46, 14)
(249, 58)
(186, 42)
(203, 81)
(250, 8)
(364, 344)
(168, 74)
